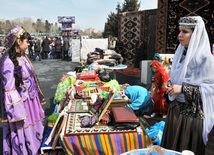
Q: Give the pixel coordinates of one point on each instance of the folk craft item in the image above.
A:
(87, 94)
(96, 105)
(106, 104)
(63, 101)
(60, 92)
(74, 126)
(58, 130)
(56, 125)
(89, 75)
(79, 106)
(89, 121)
(125, 118)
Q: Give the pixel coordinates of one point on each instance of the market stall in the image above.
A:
(84, 124)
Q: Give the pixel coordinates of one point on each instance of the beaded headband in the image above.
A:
(188, 22)
(15, 33)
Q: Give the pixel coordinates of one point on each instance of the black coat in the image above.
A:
(66, 44)
(45, 45)
(37, 45)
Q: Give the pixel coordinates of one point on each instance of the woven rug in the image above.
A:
(131, 31)
(130, 71)
(169, 13)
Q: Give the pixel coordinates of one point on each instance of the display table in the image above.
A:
(104, 143)
(114, 68)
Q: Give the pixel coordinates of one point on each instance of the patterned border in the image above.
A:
(161, 30)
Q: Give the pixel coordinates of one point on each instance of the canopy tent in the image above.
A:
(89, 45)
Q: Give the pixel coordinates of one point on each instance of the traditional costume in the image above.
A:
(191, 113)
(160, 78)
(21, 111)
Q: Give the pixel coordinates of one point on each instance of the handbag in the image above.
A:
(104, 76)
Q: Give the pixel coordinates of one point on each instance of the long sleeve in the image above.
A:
(193, 97)
(14, 106)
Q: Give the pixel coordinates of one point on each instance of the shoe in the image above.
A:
(153, 114)
(164, 116)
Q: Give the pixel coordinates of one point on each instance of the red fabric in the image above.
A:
(160, 77)
(91, 74)
(88, 76)
(94, 79)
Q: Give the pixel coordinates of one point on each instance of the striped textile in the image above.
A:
(105, 143)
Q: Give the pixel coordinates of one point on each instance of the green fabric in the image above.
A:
(113, 83)
(60, 92)
(104, 94)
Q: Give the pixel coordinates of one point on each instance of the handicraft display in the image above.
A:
(74, 126)
(79, 106)
(87, 94)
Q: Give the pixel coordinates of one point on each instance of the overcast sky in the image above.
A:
(88, 13)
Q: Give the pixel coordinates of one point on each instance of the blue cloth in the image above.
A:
(139, 96)
(156, 132)
(46, 137)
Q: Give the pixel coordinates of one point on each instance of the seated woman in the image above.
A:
(141, 100)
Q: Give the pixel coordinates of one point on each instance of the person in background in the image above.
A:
(190, 90)
(20, 99)
(160, 78)
(58, 45)
(37, 49)
(46, 47)
(66, 46)
(51, 54)
(141, 100)
(30, 48)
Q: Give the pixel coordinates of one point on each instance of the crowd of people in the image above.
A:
(49, 48)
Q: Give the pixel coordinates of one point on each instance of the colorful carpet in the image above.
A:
(130, 71)
(169, 13)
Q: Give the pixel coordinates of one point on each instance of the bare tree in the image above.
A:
(40, 26)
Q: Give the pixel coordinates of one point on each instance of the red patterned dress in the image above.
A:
(160, 78)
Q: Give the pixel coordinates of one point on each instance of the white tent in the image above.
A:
(76, 50)
(89, 45)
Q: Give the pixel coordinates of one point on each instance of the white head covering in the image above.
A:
(197, 69)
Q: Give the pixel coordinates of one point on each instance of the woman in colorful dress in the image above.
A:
(190, 90)
(21, 98)
(160, 78)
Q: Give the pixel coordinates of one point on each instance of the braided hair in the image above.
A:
(13, 57)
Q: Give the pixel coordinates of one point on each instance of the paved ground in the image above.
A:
(49, 73)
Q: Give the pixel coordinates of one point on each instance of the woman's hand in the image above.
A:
(168, 86)
(174, 89)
